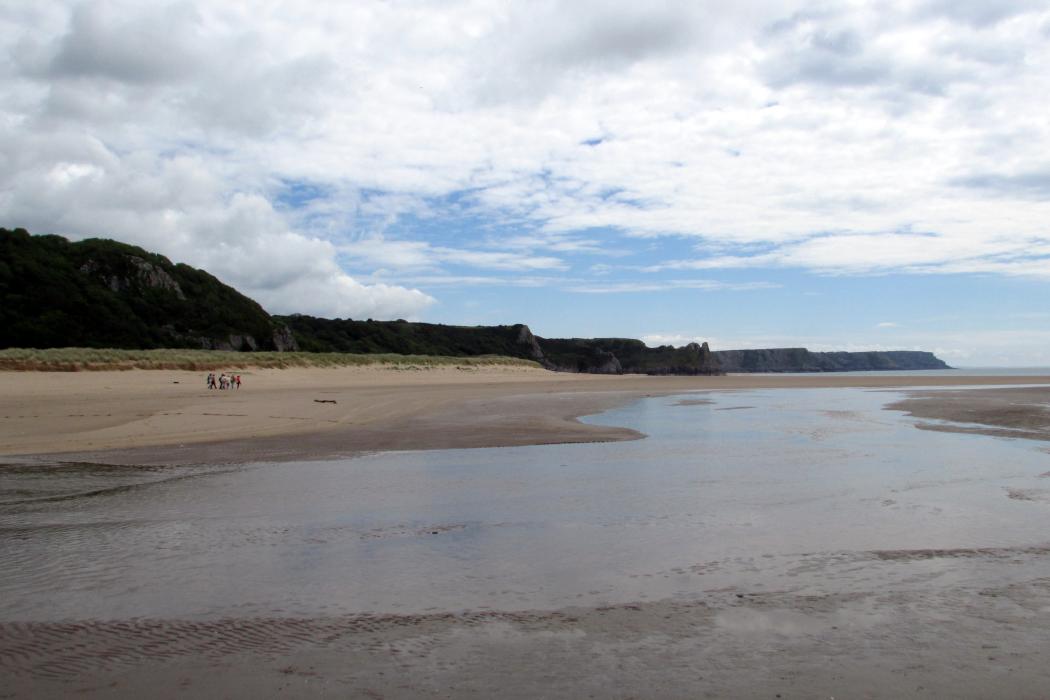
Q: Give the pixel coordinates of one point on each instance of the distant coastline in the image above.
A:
(97, 294)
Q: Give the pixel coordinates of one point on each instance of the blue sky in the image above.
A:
(835, 175)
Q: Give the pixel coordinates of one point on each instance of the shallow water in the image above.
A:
(806, 491)
(953, 372)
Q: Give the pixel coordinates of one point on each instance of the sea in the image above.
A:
(953, 372)
(799, 491)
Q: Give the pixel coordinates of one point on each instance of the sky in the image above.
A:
(834, 175)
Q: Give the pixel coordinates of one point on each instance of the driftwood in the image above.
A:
(324, 401)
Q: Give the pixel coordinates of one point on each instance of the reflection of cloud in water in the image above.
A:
(795, 494)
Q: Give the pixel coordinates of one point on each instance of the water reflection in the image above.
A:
(800, 490)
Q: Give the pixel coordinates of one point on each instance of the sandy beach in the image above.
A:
(159, 417)
(805, 622)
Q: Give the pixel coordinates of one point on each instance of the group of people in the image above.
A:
(224, 381)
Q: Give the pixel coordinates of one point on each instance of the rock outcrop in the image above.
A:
(695, 359)
(802, 360)
(625, 356)
(283, 340)
(528, 342)
(137, 273)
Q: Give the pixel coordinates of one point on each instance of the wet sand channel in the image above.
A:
(764, 542)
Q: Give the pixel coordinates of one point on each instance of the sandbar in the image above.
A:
(925, 638)
(1014, 412)
(165, 417)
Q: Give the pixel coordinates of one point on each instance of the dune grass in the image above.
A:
(101, 359)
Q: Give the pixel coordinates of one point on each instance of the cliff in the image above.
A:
(586, 355)
(802, 360)
(625, 356)
(100, 293)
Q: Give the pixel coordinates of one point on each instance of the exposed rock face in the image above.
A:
(143, 272)
(134, 277)
(283, 340)
(609, 365)
(604, 362)
(230, 343)
(528, 340)
(768, 360)
(692, 359)
(624, 356)
(802, 360)
(702, 359)
(243, 342)
(155, 277)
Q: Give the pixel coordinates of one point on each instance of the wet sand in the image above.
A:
(166, 417)
(1017, 412)
(975, 640)
(737, 645)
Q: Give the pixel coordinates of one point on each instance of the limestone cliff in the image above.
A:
(625, 356)
(802, 360)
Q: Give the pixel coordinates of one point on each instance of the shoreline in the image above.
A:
(758, 620)
(160, 417)
(1014, 412)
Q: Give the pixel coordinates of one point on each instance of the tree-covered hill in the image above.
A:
(100, 293)
(103, 294)
(586, 355)
(408, 338)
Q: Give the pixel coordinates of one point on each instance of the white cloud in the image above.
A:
(176, 206)
(380, 252)
(836, 137)
(665, 285)
(871, 253)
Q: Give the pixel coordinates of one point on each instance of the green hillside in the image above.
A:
(100, 293)
(347, 335)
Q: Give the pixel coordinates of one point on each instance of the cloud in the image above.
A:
(667, 285)
(452, 141)
(976, 12)
(536, 50)
(337, 296)
(125, 43)
(176, 206)
(526, 281)
(378, 251)
(882, 253)
(1024, 185)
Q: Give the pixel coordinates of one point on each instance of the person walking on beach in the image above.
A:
(211, 380)
(237, 381)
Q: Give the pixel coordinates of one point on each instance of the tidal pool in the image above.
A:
(802, 491)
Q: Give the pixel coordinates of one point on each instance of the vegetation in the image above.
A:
(347, 335)
(632, 356)
(86, 359)
(100, 293)
(85, 297)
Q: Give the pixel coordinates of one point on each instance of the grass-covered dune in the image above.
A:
(87, 359)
